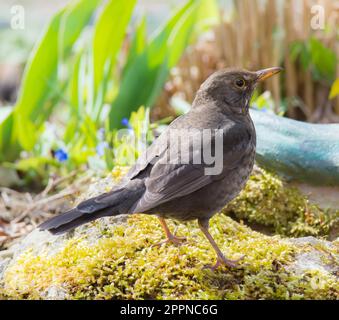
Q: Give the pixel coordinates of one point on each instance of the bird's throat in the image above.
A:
(245, 108)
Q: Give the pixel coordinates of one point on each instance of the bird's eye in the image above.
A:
(240, 83)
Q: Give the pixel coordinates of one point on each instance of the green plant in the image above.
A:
(73, 83)
(315, 55)
(40, 89)
(148, 64)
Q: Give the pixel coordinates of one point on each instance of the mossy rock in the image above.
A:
(113, 258)
(269, 204)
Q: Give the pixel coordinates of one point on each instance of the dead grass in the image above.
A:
(21, 212)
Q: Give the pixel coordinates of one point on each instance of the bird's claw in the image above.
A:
(222, 261)
(171, 239)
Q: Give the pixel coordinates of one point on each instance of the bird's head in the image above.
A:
(232, 88)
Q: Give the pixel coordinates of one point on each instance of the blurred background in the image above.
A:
(73, 72)
(249, 34)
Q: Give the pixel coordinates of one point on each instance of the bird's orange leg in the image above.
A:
(171, 238)
(221, 259)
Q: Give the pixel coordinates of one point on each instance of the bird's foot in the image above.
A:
(171, 239)
(222, 261)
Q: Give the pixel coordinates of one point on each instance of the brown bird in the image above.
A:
(191, 171)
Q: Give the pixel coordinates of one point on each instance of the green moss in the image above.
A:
(268, 201)
(122, 264)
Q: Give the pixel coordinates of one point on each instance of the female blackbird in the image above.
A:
(192, 170)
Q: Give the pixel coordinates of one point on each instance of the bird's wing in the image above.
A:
(145, 162)
(155, 151)
(170, 181)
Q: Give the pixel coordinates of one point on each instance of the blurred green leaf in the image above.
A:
(109, 34)
(41, 70)
(9, 147)
(299, 50)
(71, 130)
(323, 58)
(26, 131)
(208, 15)
(90, 77)
(109, 156)
(39, 91)
(295, 49)
(146, 72)
(138, 44)
(35, 163)
(77, 96)
(181, 33)
(76, 86)
(315, 55)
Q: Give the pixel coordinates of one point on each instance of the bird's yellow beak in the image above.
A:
(267, 73)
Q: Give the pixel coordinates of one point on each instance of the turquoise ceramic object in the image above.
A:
(298, 150)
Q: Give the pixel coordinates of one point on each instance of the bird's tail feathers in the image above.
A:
(118, 201)
(72, 219)
(103, 205)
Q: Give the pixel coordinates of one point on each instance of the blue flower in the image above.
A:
(126, 123)
(101, 148)
(101, 134)
(61, 155)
